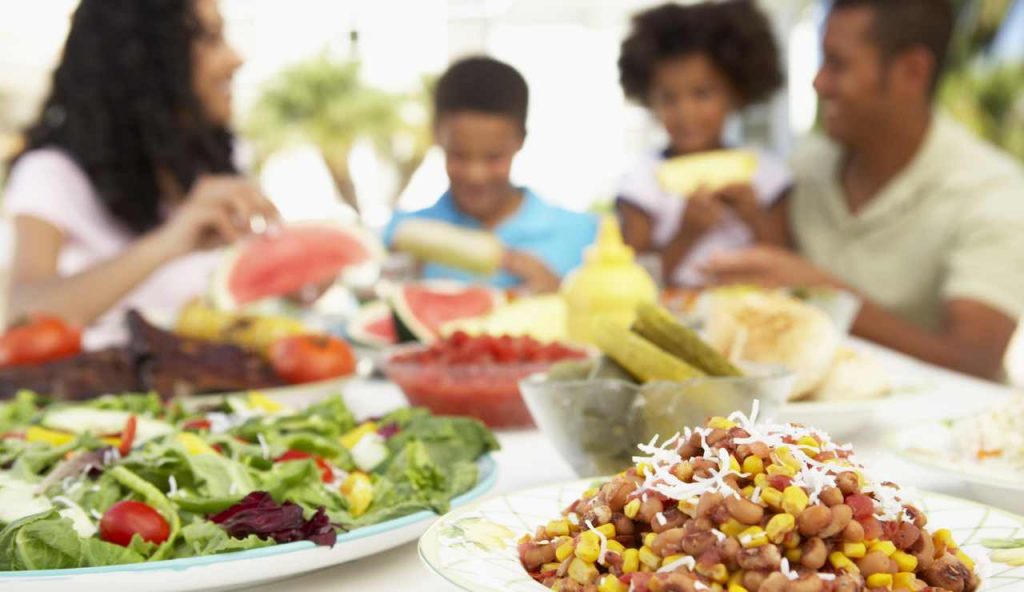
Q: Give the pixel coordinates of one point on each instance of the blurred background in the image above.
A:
(333, 102)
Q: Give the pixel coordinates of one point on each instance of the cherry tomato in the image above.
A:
(128, 435)
(310, 358)
(326, 472)
(129, 518)
(40, 339)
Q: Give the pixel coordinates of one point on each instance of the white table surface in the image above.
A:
(527, 460)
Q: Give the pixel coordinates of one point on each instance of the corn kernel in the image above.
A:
(732, 527)
(808, 442)
(737, 588)
(760, 479)
(734, 465)
(589, 547)
(785, 456)
(557, 528)
(630, 560)
(840, 561)
(683, 471)
(779, 526)
(753, 537)
(631, 509)
(687, 507)
(610, 583)
(716, 587)
(549, 567)
(794, 500)
(736, 579)
(748, 491)
(589, 493)
(944, 538)
(854, 550)
(905, 561)
(649, 539)
(788, 471)
(753, 465)
(880, 580)
(582, 572)
(717, 572)
(615, 546)
(608, 530)
(794, 555)
(648, 558)
(644, 469)
(884, 547)
(721, 423)
(671, 559)
(563, 551)
(904, 580)
(772, 497)
(967, 561)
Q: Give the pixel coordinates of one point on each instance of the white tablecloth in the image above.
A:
(527, 460)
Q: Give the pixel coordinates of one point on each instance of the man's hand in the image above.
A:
(537, 277)
(766, 266)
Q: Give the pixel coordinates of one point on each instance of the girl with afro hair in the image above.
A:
(693, 67)
(127, 177)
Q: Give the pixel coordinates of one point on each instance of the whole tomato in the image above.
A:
(42, 338)
(128, 518)
(310, 358)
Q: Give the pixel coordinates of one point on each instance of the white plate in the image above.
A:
(932, 447)
(296, 396)
(844, 419)
(245, 568)
(475, 548)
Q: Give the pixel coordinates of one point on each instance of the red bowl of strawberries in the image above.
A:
(476, 376)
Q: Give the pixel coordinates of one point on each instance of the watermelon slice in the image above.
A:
(422, 308)
(293, 257)
(373, 326)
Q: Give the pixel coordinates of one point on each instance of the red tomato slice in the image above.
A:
(861, 505)
(197, 425)
(129, 518)
(326, 472)
(128, 435)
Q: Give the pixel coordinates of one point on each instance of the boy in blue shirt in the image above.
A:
(480, 109)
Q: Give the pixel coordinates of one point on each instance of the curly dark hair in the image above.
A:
(122, 105)
(485, 85)
(734, 35)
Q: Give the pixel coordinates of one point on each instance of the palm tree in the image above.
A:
(324, 102)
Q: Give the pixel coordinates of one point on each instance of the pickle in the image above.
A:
(658, 326)
(641, 358)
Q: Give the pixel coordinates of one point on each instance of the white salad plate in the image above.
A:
(244, 568)
(933, 447)
(475, 548)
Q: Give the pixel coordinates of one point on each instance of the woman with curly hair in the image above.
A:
(693, 67)
(127, 180)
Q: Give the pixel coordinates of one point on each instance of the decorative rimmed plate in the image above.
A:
(244, 568)
(475, 548)
(932, 447)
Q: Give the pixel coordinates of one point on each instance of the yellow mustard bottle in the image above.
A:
(610, 284)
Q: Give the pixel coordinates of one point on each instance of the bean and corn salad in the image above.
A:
(738, 507)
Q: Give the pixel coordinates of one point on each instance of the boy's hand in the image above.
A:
(741, 198)
(703, 212)
(539, 279)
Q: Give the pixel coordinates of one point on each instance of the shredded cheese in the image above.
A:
(687, 562)
(604, 542)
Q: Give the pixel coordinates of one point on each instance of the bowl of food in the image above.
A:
(655, 376)
(474, 376)
(593, 421)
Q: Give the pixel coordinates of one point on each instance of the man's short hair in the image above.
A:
(900, 25)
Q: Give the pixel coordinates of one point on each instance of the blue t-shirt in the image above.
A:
(555, 235)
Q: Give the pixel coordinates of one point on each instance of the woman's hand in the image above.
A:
(217, 211)
(536, 275)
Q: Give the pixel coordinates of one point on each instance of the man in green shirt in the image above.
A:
(899, 204)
